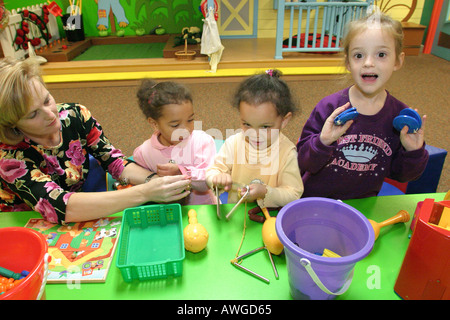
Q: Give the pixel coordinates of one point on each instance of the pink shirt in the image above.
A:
(193, 156)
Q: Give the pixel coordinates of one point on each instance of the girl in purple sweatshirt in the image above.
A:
(351, 160)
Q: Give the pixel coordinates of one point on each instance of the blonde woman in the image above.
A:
(44, 150)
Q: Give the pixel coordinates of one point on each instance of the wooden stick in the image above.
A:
(401, 216)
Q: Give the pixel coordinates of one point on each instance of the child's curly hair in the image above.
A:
(152, 96)
(266, 87)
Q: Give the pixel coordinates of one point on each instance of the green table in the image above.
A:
(210, 275)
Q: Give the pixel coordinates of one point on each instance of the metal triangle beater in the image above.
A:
(247, 190)
(236, 264)
(218, 203)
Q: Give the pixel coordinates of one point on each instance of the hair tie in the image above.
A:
(150, 99)
(270, 72)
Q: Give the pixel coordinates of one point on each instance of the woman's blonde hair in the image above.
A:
(377, 19)
(16, 95)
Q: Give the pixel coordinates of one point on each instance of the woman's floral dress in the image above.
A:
(34, 177)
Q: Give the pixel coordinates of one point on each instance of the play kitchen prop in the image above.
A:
(425, 271)
(151, 244)
(306, 227)
(23, 254)
(195, 234)
(401, 216)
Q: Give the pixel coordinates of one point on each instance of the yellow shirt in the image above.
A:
(276, 166)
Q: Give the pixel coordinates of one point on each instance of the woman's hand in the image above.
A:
(222, 180)
(85, 206)
(331, 132)
(413, 141)
(167, 189)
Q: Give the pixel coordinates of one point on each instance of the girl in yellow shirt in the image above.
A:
(260, 156)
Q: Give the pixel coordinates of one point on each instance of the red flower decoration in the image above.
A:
(21, 39)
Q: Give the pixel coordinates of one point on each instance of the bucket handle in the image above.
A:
(47, 259)
(307, 265)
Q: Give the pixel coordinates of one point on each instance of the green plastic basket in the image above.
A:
(151, 244)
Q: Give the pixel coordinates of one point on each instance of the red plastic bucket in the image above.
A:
(24, 249)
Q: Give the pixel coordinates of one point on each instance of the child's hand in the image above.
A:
(167, 169)
(413, 141)
(222, 180)
(257, 191)
(331, 132)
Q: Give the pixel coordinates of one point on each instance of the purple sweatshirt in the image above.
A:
(356, 164)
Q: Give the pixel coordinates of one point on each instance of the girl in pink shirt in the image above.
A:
(175, 147)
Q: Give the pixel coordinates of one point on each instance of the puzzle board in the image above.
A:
(80, 252)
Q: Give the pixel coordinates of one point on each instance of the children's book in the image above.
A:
(81, 251)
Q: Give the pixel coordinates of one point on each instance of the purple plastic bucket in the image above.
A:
(308, 226)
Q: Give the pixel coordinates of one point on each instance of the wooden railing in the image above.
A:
(314, 26)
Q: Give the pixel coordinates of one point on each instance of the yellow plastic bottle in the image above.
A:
(195, 235)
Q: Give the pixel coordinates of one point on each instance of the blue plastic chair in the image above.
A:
(428, 181)
(96, 179)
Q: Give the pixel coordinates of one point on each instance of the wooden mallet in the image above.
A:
(401, 216)
(269, 234)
